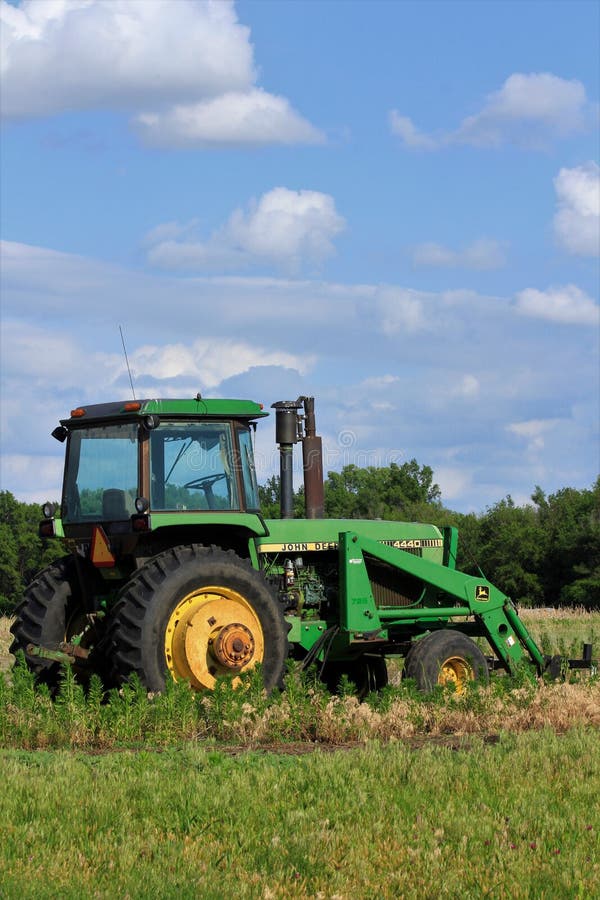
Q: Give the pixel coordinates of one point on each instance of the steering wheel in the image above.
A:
(206, 482)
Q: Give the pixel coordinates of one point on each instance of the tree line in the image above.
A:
(545, 553)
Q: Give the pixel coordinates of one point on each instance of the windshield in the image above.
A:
(102, 473)
(191, 466)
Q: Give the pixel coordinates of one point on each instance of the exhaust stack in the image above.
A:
(288, 431)
(312, 458)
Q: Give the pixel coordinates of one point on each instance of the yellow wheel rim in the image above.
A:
(456, 671)
(211, 632)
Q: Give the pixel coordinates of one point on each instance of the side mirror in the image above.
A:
(60, 433)
(150, 422)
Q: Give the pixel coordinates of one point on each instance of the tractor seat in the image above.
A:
(115, 504)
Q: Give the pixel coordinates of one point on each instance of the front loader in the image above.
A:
(171, 572)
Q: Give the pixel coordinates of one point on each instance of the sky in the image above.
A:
(390, 206)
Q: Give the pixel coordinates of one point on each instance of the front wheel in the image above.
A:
(195, 613)
(445, 658)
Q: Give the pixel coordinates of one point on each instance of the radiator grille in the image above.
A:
(390, 586)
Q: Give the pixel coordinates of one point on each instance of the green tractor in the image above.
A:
(171, 571)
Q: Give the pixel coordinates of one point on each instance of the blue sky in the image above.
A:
(392, 206)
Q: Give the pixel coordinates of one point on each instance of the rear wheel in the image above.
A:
(195, 613)
(51, 613)
(445, 658)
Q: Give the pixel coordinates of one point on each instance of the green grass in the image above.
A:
(519, 819)
(129, 717)
(493, 793)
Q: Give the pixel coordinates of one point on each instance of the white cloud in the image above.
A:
(283, 228)
(185, 68)
(254, 118)
(468, 387)
(533, 431)
(528, 110)
(43, 485)
(85, 54)
(397, 373)
(577, 219)
(400, 310)
(453, 481)
(407, 131)
(208, 362)
(567, 305)
(482, 254)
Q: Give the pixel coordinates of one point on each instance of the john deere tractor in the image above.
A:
(171, 571)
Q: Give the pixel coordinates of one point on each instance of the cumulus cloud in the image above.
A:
(283, 228)
(482, 254)
(533, 431)
(528, 110)
(398, 373)
(207, 362)
(254, 118)
(408, 133)
(577, 219)
(186, 69)
(567, 305)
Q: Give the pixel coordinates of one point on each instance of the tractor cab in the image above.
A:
(130, 464)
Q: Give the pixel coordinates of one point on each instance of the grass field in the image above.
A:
(495, 793)
(518, 819)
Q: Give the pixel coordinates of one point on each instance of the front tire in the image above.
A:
(195, 613)
(445, 658)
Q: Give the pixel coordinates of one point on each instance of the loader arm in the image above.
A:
(459, 596)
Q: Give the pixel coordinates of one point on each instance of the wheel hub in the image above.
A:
(456, 671)
(234, 646)
(212, 631)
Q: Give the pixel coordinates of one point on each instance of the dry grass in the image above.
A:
(6, 660)
(548, 613)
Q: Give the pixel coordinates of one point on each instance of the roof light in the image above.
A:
(48, 510)
(77, 413)
(132, 406)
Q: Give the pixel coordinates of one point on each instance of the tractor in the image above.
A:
(171, 571)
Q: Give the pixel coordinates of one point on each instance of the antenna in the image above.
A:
(127, 362)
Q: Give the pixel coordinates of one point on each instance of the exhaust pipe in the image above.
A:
(312, 458)
(288, 431)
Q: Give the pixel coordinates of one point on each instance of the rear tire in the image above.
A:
(445, 658)
(51, 612)
(194, 613)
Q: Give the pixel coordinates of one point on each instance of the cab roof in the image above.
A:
(192, 408)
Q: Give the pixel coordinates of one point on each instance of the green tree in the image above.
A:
(392, 492)
(22, 552)
(570, 520)
(511, 550)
